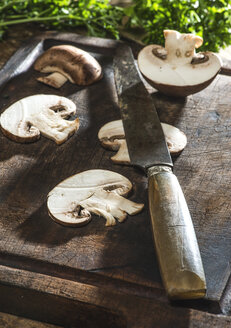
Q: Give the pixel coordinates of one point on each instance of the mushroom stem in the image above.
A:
(53, 126)
(55, 80)
(122, 156)
(110, 205)
(181, 47)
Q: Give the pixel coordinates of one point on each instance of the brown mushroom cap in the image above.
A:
(77, 65)
(94, 191)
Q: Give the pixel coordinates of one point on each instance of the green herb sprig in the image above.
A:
(97, 16)
(210, 19)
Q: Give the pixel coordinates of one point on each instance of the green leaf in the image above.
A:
(211, 19)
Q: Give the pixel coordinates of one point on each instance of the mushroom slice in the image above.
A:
(176, 69)
(69, 62)
(95, 191)
(24, 120)
(112, 136)
(175, 138)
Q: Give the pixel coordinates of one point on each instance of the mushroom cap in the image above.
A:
(77, 65)
(82, 185)
(90, 190)
(24, 120)
(173, 70)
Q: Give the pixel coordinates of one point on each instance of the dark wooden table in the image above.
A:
(40, 276)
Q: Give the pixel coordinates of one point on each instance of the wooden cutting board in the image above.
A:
(56, 268)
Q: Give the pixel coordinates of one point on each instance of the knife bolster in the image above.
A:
(158, 169)
(174, 236)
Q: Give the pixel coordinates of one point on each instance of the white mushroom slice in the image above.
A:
(112, 136)
(74, 64)
(24, 120)
(175, 138)
(94, 191)
(176, 69)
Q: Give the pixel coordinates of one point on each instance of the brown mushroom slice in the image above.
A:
(68, 62)
(112, 136)
(176, 69)
(24, 120)
(94, 191)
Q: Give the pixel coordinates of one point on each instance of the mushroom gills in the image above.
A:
(95, 191)
(67, 62)
(112, 136)
(177, 69)
(24, 120)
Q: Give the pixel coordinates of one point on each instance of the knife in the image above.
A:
(175, 240)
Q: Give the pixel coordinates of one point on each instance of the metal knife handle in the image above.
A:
(175, 240)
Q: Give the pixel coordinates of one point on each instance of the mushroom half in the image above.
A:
(177, 70)
(67, 62)
(24, 120)
(100, 192)
(112, 137)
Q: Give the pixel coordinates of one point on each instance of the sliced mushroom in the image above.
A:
(112, 136)
(24, 120)
(67, 62)
(94, 191)
(176, 69)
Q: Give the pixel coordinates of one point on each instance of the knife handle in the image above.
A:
(175, 239)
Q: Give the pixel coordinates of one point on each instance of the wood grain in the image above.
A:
(12, 321)
(121, 258)
(74, 304)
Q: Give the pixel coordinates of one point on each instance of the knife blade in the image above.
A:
(175, 240)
